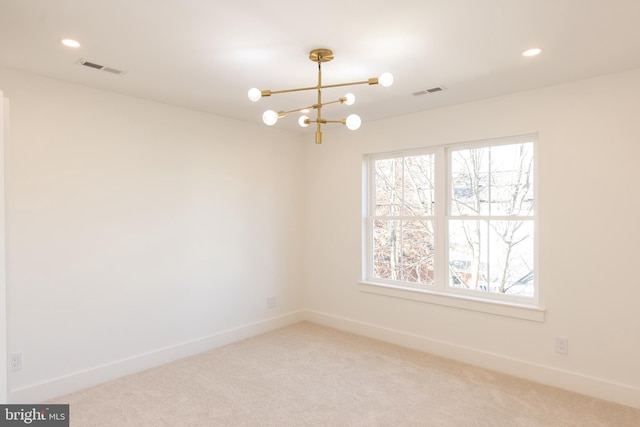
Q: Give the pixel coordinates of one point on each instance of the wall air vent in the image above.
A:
(112, 70)
(100, 67)
(430, 90)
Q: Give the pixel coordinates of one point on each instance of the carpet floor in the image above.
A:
(310, 375)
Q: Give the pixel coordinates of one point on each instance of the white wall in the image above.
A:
(4, 130)
(139, 232)
(589, 146)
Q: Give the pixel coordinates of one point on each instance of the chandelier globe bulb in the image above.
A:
(386, 79)
(353, 122)
(349, 99)
(254, 94)
(270, 117)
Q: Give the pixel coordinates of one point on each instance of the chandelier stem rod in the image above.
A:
(319, 109)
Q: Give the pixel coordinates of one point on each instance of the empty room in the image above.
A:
(332, 214)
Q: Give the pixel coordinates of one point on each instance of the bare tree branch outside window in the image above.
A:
(491, 222)
(403, 229)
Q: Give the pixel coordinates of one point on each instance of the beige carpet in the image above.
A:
(309, 375)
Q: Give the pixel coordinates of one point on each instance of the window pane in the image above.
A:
(404, 186)
(470, 182)
(388, 185)
(403, 250)
(492, 256)
(512, 179)
(386, 250)
(468, 254)
(492, 180)
(511, 257)
(417, 251)
(418, 185)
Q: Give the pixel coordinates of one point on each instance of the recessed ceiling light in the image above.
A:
(70, 43)
(532, 52)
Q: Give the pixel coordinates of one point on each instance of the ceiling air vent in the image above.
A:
(100, 67)
(430, 90)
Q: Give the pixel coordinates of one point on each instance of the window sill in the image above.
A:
(508, 309)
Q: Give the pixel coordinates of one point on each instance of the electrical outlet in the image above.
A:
(562, 345)
(272, 302)
(16, 362)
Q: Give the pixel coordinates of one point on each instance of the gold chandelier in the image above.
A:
(352, 121)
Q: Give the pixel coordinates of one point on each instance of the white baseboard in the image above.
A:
(572, 381)
(91, 377)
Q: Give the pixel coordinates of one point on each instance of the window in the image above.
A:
(403, 223)
(456, 220)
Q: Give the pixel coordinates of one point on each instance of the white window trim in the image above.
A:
(501, 308)
(440, 294)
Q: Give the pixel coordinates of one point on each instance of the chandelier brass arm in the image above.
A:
(343, 121)
(319, 56)
(371, 81)
(342, 100)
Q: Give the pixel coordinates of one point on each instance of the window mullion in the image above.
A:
(403, 211)
(440, 212)
(370, 215)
